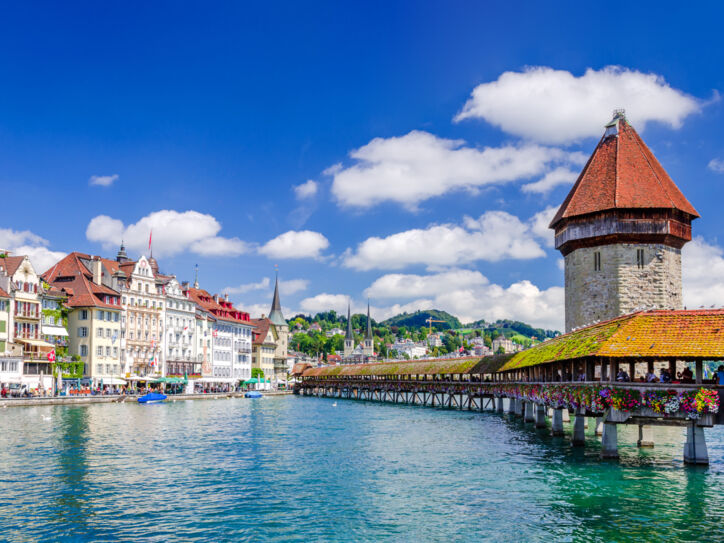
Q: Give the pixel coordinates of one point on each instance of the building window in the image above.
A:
(84, 314)
(82, 331)
(99, 350)
(597, 261)
(640, 258)
(84, 350)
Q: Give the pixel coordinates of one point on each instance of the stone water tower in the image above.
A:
(621, 230)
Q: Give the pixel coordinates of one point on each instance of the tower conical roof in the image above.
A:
(622, 173)
(275, 315)
(349, 323)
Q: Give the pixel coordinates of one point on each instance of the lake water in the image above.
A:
(289, 468)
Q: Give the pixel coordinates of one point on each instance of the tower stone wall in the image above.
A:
(623, 283)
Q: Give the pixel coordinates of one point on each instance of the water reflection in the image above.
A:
(70, 485)
(303, 469)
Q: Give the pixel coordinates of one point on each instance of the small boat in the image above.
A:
(152, 397)
(253, 394)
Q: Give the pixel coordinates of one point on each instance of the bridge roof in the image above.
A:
(489, 364)
(646, 335)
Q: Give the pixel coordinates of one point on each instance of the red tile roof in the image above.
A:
(71, 276)
(12, 263)
(262, 330)
(4, 294)
(622, 173)
(658, 334)
(222, 309)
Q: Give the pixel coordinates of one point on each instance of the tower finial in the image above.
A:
(196, 276)
(368, 335)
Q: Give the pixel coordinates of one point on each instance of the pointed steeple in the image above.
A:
(275, 315)
(368, 335)
(196, 276)
(349, 323)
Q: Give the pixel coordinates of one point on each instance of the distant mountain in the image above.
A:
(418, 320)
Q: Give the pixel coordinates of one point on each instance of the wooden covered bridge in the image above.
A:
(599, 371)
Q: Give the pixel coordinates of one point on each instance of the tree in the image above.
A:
(257, 373)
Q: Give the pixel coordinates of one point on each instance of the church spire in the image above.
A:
(368, 335)
(349, 323)
(196, 276)
(275, 315)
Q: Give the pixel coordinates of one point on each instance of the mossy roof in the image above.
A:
(488, 364)
(660, 334)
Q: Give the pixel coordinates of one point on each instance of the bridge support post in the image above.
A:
(646, 436)
(511, 406)
(609, 441)
(499, 402)
(557, 422)
(695, 451)
(519, 407)
(540, 415)
(599, 426)
(566, 416)
(529, 416)
(579, 431)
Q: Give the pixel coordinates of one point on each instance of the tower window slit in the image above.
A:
(597, 261)
(640, 258)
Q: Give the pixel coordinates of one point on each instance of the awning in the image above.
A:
(173, 380)
(54, 331)
(112, 381)
(217, 380)
(37, 343)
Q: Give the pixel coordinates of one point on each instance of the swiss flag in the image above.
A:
(51, 356)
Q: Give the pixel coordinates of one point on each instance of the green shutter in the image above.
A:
(2, 346)
(2, 326)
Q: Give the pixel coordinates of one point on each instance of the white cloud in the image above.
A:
(702, 272)
(306, 190)
(558, 176)
(173, 232)
(102, 180)
(248, 287)
(555, 106)
(412, 168)
(287, 287)
(495, 235)
(716, 165)
(24, 242)
(539, 225)
(401, 285)
(296, 244)
(325, 302)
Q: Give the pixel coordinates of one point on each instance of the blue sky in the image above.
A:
(199, 120)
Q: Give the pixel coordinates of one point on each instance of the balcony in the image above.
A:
(27, 314)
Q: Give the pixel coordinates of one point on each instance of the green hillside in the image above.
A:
(418, 319)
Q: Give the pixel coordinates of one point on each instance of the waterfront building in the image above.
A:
(143, 302)
(52, 321)
(264, 346)
(180, 347)
(620, 230)
(11, 360)
(94, 315)
(231, 330)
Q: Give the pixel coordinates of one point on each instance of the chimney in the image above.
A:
(226, 297)
(97, 269)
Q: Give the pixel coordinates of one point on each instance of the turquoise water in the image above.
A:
(302, 469)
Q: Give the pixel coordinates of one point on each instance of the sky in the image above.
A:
(411, 153)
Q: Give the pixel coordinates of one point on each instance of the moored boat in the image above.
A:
(152, 397)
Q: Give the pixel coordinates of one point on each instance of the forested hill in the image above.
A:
(418, 319)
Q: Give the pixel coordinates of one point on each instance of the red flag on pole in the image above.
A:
(150, 236)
